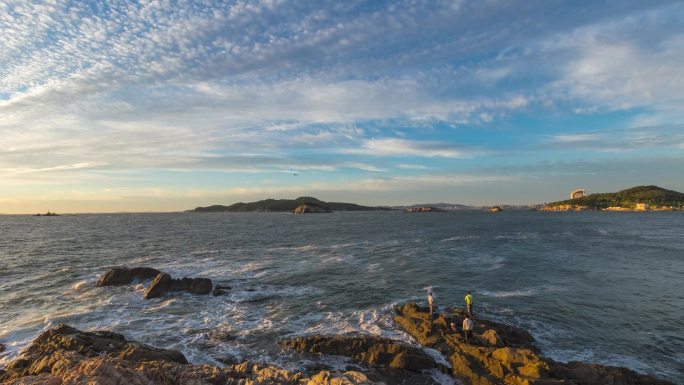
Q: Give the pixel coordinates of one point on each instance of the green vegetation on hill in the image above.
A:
(653, 195)
(284, 205)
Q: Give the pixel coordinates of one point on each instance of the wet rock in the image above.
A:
(163, 283)
(2, 348)
(365, 349)
(222, 335)
(503, 354)
(227, 360)
(220, 290)
(592, 374)
(125, 275)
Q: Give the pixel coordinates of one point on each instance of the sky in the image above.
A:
(119, 105)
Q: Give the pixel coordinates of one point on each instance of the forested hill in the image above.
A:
(284, 205)
(653, 195)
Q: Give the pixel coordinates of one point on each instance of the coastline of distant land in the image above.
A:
(639, 198)
(284, 205)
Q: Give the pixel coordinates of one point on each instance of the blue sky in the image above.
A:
(169, 105)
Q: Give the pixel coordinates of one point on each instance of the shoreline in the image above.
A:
(497, 354)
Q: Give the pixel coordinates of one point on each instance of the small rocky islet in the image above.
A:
(498, 354)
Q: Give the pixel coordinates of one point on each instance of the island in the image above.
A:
(48, 214)
(285, 205)
(640, 198)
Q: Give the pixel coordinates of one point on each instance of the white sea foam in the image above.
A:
(460, 238)
(513, 293)
(518, 236)
(79, 285)
(443, 379)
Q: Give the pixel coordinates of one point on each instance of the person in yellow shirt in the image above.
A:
(469, 304)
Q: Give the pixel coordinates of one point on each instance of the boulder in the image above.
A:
(365, 349)
(2, 348)
(163, 283)
(125, 275)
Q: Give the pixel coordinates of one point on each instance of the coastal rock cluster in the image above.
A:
(162, 283)
(502, 354)
(497, 354)
(65, 355)
(370, 350)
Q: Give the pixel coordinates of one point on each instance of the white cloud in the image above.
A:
(405, 147)
(76, 166)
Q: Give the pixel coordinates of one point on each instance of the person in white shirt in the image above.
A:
(467, 327)
(430, 300)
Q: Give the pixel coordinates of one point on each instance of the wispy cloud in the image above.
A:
(336, 89)
(403, 147)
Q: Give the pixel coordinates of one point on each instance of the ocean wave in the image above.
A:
(460, 238)
(512, 293)
(79, 285)
(518, 236)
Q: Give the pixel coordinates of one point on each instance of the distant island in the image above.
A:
(48, 214)
(286, 205)
(441, 206)
(640, 198)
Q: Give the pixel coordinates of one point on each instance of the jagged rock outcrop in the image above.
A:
(65, 355)
(163, 283)
(126, 275)
(58, 347)
(365, 349)
(504, 355)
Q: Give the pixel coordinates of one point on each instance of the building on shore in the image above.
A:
(642, 207)
(579, 193)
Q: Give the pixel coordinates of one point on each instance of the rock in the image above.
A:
(220, 290)
(58, 345)
(2, 348)
(163, 283)
(311, 209)
(492, 338)
(125, 275)
(65, 355)
(592, 374)
(348, 378)
(503, 354)
(365, 349)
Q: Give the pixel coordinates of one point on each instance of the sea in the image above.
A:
(590, 286)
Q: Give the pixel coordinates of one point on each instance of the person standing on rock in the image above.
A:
(430, 301)
(467, 327)
(469, 304)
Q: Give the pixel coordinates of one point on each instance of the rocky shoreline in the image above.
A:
(498, 354)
